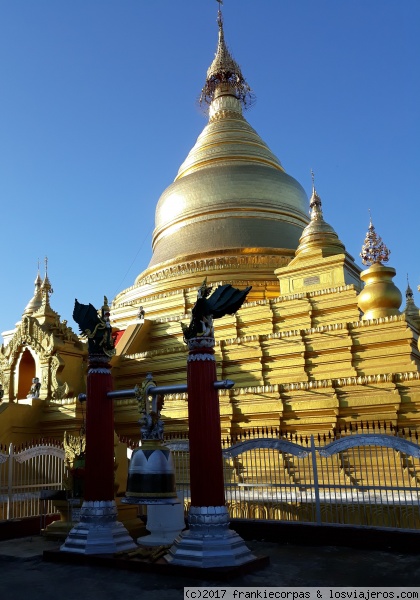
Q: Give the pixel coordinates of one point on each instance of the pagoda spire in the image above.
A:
(38, 280)
(46, 287)
(411, 310)
(45, 309)
(318, 235)
(36, 300)
(315, 203)
(224, 72)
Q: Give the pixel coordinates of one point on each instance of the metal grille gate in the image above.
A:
(366, 479)
(24, 474)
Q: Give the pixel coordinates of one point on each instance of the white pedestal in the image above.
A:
(209, 542)
(165, 522)
(98, 531)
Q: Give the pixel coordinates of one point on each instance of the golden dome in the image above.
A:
(231, 192)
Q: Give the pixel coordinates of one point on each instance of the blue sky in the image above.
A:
(98, 111)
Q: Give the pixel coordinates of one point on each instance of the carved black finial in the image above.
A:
(97, 329)
(225, 300)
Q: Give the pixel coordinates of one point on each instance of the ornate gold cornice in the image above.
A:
(249, 258)
(325, 291)
(218, 263)
(225, 113)
(258, 389)
(378, 321)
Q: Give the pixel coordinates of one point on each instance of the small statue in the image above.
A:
(151, 426)
(141, 313)
(75, 452)
(35, 387)
(225, 300)
(96, 327)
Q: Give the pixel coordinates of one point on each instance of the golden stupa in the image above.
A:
(232, 212)
(319, 343)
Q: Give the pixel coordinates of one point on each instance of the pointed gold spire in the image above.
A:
(224, 73)
(38, 280)
(318, 235)
(411, 310)
(321, 260)
(46, 291)
(315, 203)
(46, 287)
(36, 300)
(408, 291)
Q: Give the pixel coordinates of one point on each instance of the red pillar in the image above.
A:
(99, 478)
(206, 464)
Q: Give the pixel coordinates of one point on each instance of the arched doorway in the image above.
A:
(25, 374)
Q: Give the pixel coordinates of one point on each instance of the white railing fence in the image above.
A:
(25, 473)
(362, 479)
(359, 479)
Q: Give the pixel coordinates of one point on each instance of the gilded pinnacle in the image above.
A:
(315, 203)
(224, 71)
(408, 291)
(318, 235)
(36, 300)
(374, 250)
(411, 310)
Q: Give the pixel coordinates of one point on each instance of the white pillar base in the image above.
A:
(98, 532)
(209, 542)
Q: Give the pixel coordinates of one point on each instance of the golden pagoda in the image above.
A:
(42, 370)
(318, 344)
(306, 352)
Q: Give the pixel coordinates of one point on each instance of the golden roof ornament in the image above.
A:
(45, 311)
(315, 203)
(318, 235)
(409, 292)
(36, 300)
(411, 310)
(380, 297)
(225, 71)
(46, 287)
(38, 280)
(374, 250)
